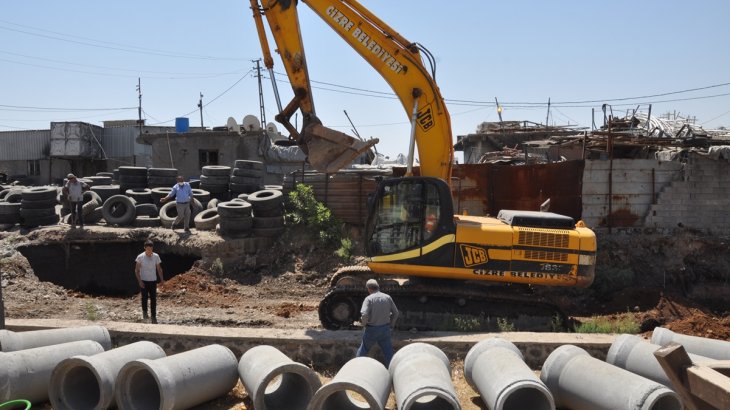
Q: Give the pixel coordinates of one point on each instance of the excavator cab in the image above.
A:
(407, 214)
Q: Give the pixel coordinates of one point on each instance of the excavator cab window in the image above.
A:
(405, 215)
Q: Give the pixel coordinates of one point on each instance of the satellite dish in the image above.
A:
(251, 123)
(232, 125)
(271, 127)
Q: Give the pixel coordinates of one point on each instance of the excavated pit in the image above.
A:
(102, 268)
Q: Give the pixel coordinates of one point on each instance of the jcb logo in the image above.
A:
(425, 118)
(473, 255)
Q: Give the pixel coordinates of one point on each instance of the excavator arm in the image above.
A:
(397, 60)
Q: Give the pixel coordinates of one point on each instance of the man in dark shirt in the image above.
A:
(378, 315)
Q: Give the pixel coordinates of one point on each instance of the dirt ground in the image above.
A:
(657, 279)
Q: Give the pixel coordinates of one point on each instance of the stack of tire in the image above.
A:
(159, 193)
(98, 180)
(146, 216)
(105, 191)
(215, 179)
(119, 210)
(234, 219)
(38, 207)
(161, 177)
(9, 210)
(201, 195)
(247, 177)
(268, 212)
(168, 214)
(132, 177)
(140, 195)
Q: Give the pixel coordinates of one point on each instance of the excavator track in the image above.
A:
(430, 304)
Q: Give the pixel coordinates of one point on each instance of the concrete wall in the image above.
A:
(50, 170)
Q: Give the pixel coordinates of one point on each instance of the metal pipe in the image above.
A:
(274, 381)
(179, 381)
(87, 382)
(637, 356)
(711, 348)
(26, 374)
(497, 370)
(13, 341)
(364, 376)
(581, 382)
(422, 378)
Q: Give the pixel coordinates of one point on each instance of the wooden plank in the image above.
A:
(709, 385)
(675, 362)
(721, 366)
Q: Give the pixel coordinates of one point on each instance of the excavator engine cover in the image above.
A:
(329, 150)
(533, 219)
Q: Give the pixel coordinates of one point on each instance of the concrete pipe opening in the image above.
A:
(142, 390)
(346, 400)
(79, 388)
(430, 400)
(526, 398)
(288, 391)
(663, 400)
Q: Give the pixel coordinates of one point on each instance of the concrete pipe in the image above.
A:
(637, 356)
(422, 378)
(362, 383)
(712, 348)
(14, 341)
(497, 370)
(179, 381)
(87, 382)
(581, 382)
(274, 381)
(26, 374)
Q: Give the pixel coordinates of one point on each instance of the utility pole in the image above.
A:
(499, 109)
(547, 117)
(200, 105)
(261, 94)
(139, 113)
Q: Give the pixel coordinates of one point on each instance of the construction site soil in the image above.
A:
(678, 280)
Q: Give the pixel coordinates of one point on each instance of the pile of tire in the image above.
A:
(215, 179)
(234, 219)
(268, 212)
(247, 177)
(38, 207)
(201, 195)
(132, 177)
(146, 216)
(168, 213)
(159, 193)
(140, 195)
(9, 210)
(105, 191)
(119, 210)
(161, 177)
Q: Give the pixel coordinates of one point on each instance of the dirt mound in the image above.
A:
(687, 317)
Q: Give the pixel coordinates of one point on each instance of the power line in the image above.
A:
(65, 109)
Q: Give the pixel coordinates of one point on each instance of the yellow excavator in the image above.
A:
(444, 271)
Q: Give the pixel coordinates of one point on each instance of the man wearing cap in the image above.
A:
(378, 315)
(183, 194)
(74, 190)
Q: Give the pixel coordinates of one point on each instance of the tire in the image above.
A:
(94, 217)
(236, 224)
(100, 180)
(274, 187)
(234, 209)
(215, 189)
(201, 195)
(212, 204)
(268, 222)
(267, 213)
(105, 174)
(119, 210)
(159, 193)
(141, 195)
(246, 180)
(246, 164)
(42, 221)
(9, 219)
(92, 200)
(244, 188)
(162, 172)
(243, 196)
(42, 204)
(214, 180)
(238, 172)
(168, 212)
(146, 210)
(106, 191)
(268, 232)
(9, 208)
(36, 213)
(136, 171)
(14, 197)
(266, 199)
(144, 221)
(39, 193)
(207, 220)
(132, 179)
(216, 170)
(91, 196)
(156, 182)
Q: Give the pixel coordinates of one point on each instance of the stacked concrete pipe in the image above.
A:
(274, 381)
(87, 382)
(362, 375)
(581, 382)
(711, 348)
(637, 356)
(497, 370)
(13, 341)
(176, 382)
(422, 378)
(26, 374)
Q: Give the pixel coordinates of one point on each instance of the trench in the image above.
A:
(98, 268)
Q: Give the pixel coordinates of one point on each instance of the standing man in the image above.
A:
(147, 265)
(378, 315)
(74, 190)
(183, 194)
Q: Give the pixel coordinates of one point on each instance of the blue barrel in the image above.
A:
(182, 124)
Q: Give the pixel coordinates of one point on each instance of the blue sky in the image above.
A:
(80, 60)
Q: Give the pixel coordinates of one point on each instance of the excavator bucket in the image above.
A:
(329, 150)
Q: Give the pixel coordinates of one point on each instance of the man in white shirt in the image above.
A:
(147, 269)
(74, 190)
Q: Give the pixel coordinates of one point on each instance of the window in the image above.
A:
(34, 167)
(207, 157)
